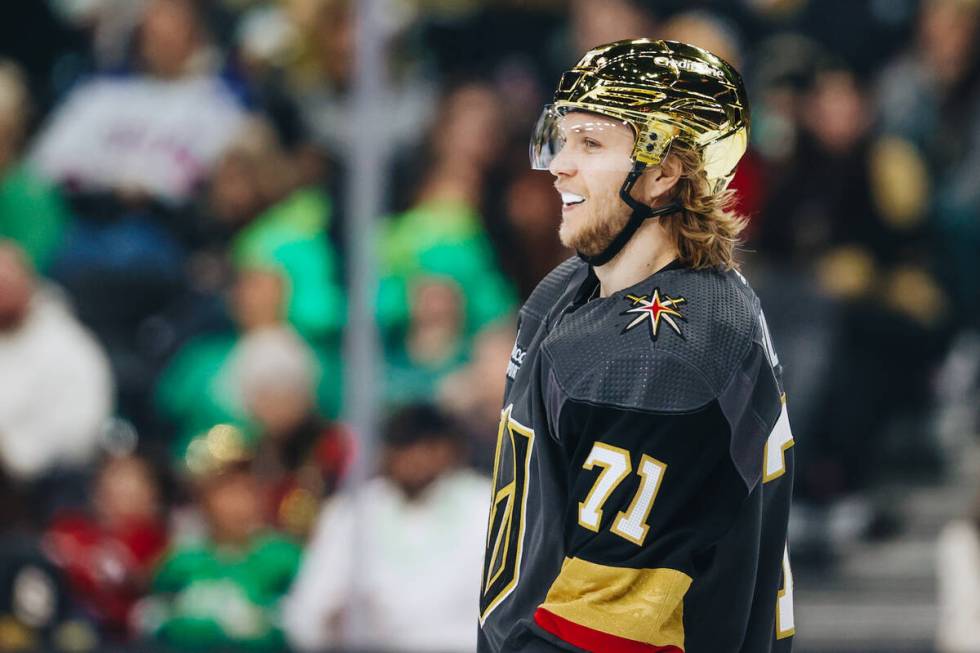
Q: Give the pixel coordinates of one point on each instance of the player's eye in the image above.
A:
(592, 144)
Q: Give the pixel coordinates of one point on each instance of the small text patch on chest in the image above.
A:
(517, 355)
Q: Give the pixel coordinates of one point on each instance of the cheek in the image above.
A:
(601, 175)
(604, 192)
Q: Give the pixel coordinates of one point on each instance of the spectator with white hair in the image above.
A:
(198, 388)
(204, 383)
(301, 454)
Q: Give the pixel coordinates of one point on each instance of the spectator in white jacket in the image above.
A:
(958, 575)
(412, 583)
(156, 132)
(56, 388)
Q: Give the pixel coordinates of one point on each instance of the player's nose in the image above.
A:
(562, 165)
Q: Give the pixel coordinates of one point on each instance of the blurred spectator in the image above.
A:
(224, 591)
(130, 148)
(201, 386)
(532, 214)
(56, 390)
(31, 212)
(321, 79)
(155, 133)
(302, 456)
(929, 99)
(264, 207)
(433, 346)
(816, 204)
(291, 234)
(828, 215)
(472, 395)
(197, 389)
(705, 30)
(251, 176)
(109, 552)
(958, 570)
(595, 23)
(442, 234)
(417, 529)
(35, 606)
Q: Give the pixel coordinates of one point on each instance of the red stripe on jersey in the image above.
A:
(593, 640)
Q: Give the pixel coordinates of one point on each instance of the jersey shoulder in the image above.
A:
(672, 345)
(546, 294)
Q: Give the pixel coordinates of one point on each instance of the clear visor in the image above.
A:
(606, 141)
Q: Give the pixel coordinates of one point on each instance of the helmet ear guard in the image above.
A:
(653, 143)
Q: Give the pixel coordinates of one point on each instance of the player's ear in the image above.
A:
(658, 180)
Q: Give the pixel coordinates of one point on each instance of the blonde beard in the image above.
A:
(595, 235)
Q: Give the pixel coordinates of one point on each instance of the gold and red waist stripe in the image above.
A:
(601, 608)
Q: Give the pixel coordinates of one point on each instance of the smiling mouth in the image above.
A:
(569, 200)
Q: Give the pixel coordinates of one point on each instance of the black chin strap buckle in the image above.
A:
(641, 212)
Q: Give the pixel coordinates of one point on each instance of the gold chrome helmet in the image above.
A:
(664, 90)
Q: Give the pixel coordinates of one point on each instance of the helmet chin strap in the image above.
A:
(641, 212)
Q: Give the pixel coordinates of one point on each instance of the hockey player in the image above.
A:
(644, 467)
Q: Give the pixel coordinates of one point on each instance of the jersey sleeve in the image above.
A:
(649, 494)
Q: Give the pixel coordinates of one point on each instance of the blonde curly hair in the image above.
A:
(707, 230)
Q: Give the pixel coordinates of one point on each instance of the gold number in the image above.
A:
(616, 466)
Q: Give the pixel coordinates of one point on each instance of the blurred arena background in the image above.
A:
(253, 252)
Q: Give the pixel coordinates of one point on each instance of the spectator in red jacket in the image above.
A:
(109, 552)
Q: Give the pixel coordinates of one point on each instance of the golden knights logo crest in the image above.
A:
(653, 309)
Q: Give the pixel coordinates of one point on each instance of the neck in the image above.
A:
(649, 250)
(232, 541)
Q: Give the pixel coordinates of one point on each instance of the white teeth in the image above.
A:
(571, 198)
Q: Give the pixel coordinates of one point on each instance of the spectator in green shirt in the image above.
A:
(224, 590)
(31, 211)
(432, 346)
(292, 236)
(443, 233)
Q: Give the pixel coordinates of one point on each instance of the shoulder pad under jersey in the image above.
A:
(673, 346)
(549, 289)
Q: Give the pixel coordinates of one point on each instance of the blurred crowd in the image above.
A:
(172, 293)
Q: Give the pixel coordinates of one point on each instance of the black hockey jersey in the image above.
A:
(643, 473)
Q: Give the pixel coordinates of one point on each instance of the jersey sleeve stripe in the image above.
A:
(645, 606)
(595, 641)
